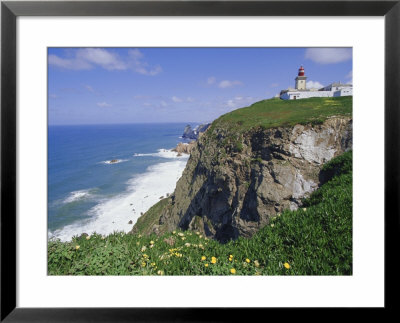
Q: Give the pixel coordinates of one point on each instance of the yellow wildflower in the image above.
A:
(153, 264)
(287, 266)
(77, 247)
(187, 244)
(88, 237)
(256, 263)
(183, 238)
(248, 260)
(143, 264)
(205, 265)
(143, 248)
(151, 242)
(213, 260)
(160, 272)
(180, 234)
(272, 225)
(233, 271)
(203, 258)
(173, 232)
(304, 209)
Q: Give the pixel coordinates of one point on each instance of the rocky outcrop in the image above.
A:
(194, 133)
(184, 148)
(234, 183)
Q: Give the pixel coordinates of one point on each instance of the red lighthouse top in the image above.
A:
(301, 71)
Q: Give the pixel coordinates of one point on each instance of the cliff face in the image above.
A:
(194, 134)
(233, 185)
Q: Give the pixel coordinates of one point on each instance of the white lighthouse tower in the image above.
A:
(301, 80)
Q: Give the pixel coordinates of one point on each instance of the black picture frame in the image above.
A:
(10, 10)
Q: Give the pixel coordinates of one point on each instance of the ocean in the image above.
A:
(87, 193)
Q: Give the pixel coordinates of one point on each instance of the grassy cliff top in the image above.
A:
(274, 113)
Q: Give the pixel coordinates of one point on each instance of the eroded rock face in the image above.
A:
(184, 148)
(226, 193)
(318, 145)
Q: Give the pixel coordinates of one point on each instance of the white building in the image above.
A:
(301, 92)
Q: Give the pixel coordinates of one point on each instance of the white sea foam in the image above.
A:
(77, 195)
(164, 153)
(143, 191)
(114, 161)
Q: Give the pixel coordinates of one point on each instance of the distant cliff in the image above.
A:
(251, 165)
(194, 133)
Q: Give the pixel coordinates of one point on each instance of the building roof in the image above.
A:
(339, 84)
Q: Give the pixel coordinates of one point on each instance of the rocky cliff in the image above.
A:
(251, 164)
(189, 133)
(231, 187)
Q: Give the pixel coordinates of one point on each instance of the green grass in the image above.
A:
(314, 240)
(275, 113)
(152, 217)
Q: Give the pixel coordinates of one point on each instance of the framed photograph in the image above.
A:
(153, 150)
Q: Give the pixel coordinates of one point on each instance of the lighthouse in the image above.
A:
(300, 80)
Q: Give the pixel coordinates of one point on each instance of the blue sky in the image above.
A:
(152, 85)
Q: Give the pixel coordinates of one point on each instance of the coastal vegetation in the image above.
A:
(275, 112)
(313, 240)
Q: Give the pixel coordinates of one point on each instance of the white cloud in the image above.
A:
(72, 64)
(349, 77)
(226, 84)
(89, 58)
(103, 104)
(211, 80)
(89, 88)
(97, 56)
(140, 66)
(163, 104)
(328, 55)
(313, 85)
(176, 99)
(238, 102)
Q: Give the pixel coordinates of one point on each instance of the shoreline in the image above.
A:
(120, 212)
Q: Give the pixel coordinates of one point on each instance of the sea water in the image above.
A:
(87, 192)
